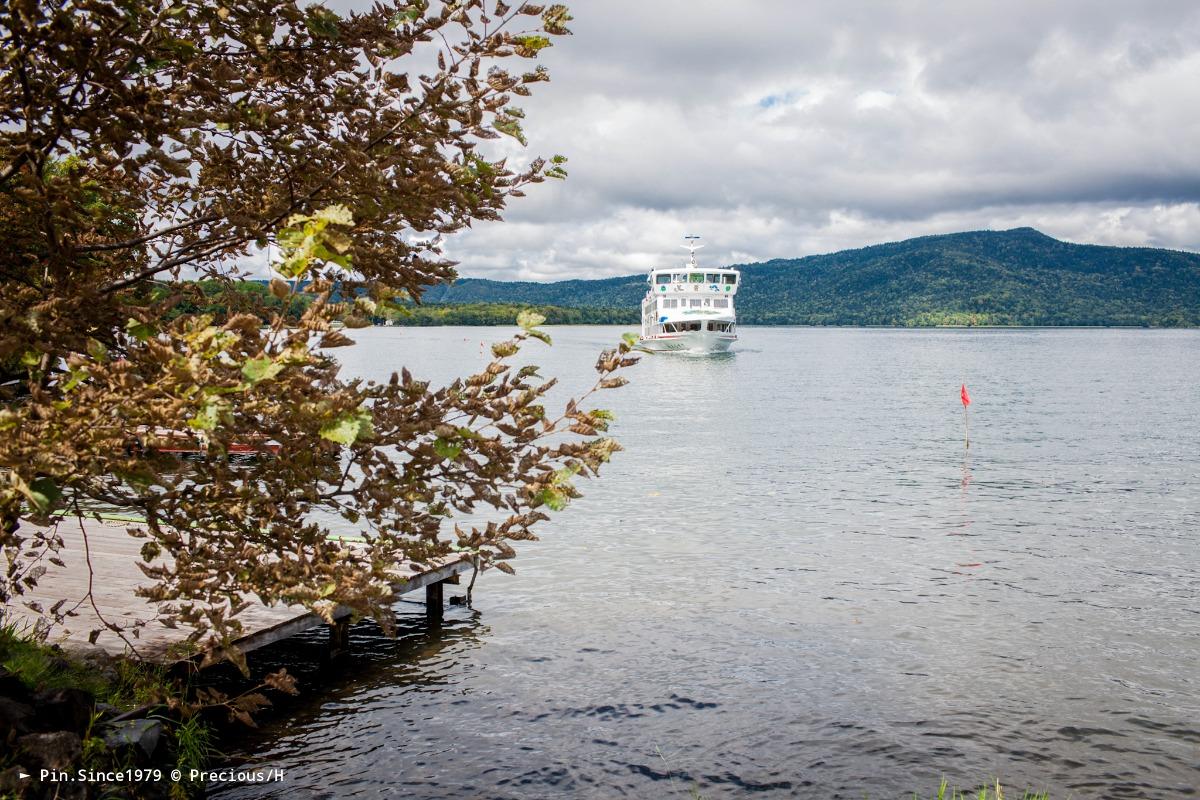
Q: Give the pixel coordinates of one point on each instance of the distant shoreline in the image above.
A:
(804, 325)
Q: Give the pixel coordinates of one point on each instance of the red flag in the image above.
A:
(966, 398)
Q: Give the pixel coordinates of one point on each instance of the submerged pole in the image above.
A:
(339, 637)
(433, 603)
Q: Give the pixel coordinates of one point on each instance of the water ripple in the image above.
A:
(794, 582)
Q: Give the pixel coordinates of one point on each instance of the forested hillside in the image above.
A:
(1015, 277)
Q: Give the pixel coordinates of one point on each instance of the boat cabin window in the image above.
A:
(684, 327)
(670, 303)
(662, 277)
(695, 302)
(721, 302)
(696, 277)
(723, 327)
(712, 277)
(730, 277)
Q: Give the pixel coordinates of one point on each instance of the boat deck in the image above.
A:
(115, 576)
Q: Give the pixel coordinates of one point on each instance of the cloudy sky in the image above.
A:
(783, 129)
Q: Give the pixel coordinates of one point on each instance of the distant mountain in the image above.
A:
(1014, 277)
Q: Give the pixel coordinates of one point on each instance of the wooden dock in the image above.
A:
(115, 577)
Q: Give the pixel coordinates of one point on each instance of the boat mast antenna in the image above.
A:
(692, 246)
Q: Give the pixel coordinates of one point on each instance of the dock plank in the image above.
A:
(116, 577)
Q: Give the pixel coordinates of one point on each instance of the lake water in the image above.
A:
(794, 582)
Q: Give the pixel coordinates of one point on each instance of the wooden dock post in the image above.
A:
(433, 602)
(339, 637)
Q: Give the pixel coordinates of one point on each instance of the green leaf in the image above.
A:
(257, 370)
(445, 449)
(78, 375)
(552, 498)
(321, 22)
(209, 415)
(304, 239)
(343, 430)
(349, 427)
(556, 169)
(508, 125)
(97, 351)
(527, 46)
(140, 330)
(528, 371)
(528, 318)
(564, 475)
(44, 493)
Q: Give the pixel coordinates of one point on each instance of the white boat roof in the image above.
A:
(690, 268)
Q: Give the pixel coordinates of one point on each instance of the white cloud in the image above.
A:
(780, 130)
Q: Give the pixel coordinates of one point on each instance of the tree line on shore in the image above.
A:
(254, 297)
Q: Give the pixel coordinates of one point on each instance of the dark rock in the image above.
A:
(134, 735)
(93, 656)
(11, 782)
(12, 686)
(15, 718)
(64, 710)
(56, 750)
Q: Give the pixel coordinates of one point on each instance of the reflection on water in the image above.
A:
(795, 582)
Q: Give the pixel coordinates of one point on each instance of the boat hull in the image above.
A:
(689, 342)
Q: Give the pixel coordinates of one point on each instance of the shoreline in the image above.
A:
(820, 327)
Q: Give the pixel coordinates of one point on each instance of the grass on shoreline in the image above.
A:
(40, 667)
(123, 685)
(993, 791)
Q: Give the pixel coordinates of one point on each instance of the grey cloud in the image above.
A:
(778, 129)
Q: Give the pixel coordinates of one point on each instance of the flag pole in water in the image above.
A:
(966, 401)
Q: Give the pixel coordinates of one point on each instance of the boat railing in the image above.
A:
(668, 289)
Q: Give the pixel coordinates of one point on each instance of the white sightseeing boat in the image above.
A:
(690, 310)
